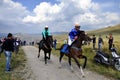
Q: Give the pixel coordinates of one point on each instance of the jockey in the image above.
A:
(45, 33)
(73, 35)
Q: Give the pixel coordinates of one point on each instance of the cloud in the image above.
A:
(11, 16)
(43, 13)
(86, 12)
(60, 16)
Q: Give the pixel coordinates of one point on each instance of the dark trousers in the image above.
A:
(110, 46)
(94, 45)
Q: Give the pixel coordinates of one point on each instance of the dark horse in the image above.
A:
(46, 46)
(75, 51)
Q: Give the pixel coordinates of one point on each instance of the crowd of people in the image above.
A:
(8, 45)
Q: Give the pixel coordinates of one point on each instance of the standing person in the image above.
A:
(55, 43)
(110, 41)
(16, 45)
(73, 35)
(100, 42)
(65, 41)
(8, 46)
(94, 41)
(0, 47)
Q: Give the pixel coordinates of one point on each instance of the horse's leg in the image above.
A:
(69, 60)
(78, 64)
(60, 58)
(85, 61)
(45, 57)
(39, 52)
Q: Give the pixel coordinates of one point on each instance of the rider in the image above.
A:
(73, 35)
(46, 33)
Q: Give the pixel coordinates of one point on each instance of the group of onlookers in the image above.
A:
(101, 42)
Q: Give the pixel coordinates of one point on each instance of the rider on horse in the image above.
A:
(46, 33)
(73, 35)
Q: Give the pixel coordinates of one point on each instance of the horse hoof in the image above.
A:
(38, 56)
(60, 67)
(72, 71)
(83, 76)
(48, 58)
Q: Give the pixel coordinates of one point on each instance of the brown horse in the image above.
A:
(75, 51)
(46, 46)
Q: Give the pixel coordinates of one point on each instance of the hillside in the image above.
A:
(111, 29)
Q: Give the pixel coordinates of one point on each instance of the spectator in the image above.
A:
(100, 42)
(110, 41)
(8, 46)
(55, 43)
(65, 41)
(94, 41)
(16, 45)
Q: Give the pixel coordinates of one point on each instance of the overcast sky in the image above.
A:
(30, 16)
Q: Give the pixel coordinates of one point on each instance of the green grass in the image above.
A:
(17, 65)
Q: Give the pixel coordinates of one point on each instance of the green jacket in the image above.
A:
(45, 33)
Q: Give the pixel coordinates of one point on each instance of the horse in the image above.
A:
(75, 51)
(46, 46)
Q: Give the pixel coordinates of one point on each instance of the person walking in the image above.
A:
(8, 46)
(100, 43)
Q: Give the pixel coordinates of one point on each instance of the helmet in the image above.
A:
(77, 25)
(46, 26)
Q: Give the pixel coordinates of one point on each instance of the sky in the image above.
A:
(31, 16)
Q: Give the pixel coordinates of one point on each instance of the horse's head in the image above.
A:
(83, 36)
(50, 40)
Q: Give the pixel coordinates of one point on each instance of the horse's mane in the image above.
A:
(81, 32)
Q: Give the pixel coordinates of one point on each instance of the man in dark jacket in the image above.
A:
(8, 46)
(94, 41)
(110, 42)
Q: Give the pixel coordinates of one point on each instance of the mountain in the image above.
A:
(110, 29)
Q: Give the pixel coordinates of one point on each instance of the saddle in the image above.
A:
(65, 49)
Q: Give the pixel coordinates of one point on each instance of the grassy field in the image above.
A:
(87, 50)
(17, 65)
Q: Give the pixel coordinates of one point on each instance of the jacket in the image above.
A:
(45, 34)
(8, 45)
(74, 33)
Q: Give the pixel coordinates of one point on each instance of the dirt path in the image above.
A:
(51, 71)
